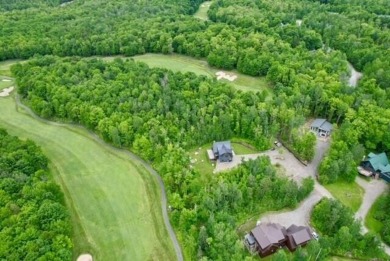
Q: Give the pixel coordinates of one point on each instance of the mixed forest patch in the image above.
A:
(32, 206)
(341, 233)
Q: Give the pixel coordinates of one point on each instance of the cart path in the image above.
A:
(133, 157)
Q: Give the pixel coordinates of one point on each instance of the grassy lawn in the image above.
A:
(176, 63)
(200, 161)
(5, 67)
(6, 82)
(181, 63)
(371, 223)
(114, 203)
(243, 147)
(202, 11)
(350, 194)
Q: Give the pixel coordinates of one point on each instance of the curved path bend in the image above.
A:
(372, 190)
(133, 157)
(297, 171)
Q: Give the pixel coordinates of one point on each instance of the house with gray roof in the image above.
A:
(222, 151)
(321, 127)
(375, 164)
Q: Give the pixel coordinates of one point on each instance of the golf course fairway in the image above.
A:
(114, 201)
(181, 63)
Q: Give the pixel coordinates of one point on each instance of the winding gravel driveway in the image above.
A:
(373, 189)
(295, 170)
(137, 160)
(299, 216)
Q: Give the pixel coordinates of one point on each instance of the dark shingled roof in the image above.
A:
(322, 124)
(268, 234)
(222, 147)
(300, 234)
(317, 123)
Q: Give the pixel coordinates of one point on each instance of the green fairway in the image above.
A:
(181, 63)
(5, 82)
(202, 11)
(115, 203)
(350, 194)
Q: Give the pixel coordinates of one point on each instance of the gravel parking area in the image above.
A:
(294, 168)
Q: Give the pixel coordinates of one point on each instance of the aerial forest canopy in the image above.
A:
(34, 223)
(302, 47)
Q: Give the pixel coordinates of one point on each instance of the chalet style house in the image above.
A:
(321, 127)
(297, 236)
(375, 165)
(222, 151)
(267, 238)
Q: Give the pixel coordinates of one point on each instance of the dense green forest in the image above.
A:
(302, 47)
(306, 64)
(6, 5)
(341, 233)
(34, 222)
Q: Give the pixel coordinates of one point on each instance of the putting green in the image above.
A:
(181, 63)
(115, 203)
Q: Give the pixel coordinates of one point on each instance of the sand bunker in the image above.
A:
(222, 75)
(85, 257)
(5, 92)
(6, 80)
